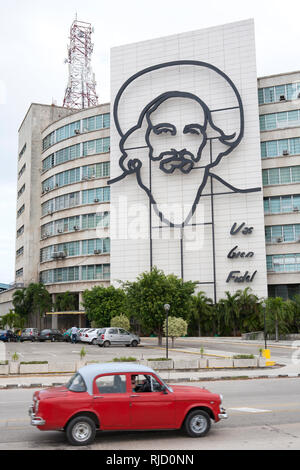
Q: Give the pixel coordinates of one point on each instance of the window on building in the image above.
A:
(20, 231)
(20, 251)
(21, 210)
(283, 175)
(19, 272)
(21, 191)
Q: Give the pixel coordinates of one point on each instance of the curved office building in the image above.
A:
(70, 197)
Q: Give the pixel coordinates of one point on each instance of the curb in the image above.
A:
(174, 380)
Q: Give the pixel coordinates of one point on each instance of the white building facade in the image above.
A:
(186, 181)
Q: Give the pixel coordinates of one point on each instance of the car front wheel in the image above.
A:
(134, 343)
(197, 423)
(81, 431)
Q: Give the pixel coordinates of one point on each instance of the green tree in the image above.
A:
(176, 327)
(102, 304)
(296, 312)
(21, 303)
(120, 321)
(203, 312)
(39, 300)
(147, 296)
(279, 315)
(12, 320)
(65, 302)
(229, 312)
(249, 310)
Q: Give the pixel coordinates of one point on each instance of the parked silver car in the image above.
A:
(116, 337)
(29, 334)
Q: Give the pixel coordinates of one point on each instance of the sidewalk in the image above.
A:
(38, 381)
(283, 370)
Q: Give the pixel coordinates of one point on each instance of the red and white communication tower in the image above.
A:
(81, 90)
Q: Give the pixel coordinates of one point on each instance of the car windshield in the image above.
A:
(43, 332)
(164, 383)
(76, 384)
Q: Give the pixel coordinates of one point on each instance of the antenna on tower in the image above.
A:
(81, 89)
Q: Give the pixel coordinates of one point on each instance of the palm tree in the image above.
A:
(65, 302)
(39, 299)
(296, 308)
(279, 314)
(20, 303)
(249, 310)
(229, 311)
(202, 311)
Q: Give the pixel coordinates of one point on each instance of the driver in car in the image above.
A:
(143, 387)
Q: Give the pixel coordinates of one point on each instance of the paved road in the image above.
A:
(263, 414)
(149, 348)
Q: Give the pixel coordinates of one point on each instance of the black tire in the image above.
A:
(100, 345)
(81, 431)
(197, 423)
(94, 341)
(134, 343)
(106, 344)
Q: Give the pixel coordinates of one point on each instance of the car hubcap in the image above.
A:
(81, 432)
(198, 424)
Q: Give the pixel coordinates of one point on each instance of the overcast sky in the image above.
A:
(33, 45)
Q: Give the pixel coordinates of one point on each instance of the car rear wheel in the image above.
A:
(134, 343)
(81, 431)
(106, 344)
(197, 423)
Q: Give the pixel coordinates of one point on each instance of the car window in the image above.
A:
(76, 384)
(111, 384)
(141, 383)
(113, 331)
(45, 331)
(123, 332)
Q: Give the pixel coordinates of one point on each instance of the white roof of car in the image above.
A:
(89, 372)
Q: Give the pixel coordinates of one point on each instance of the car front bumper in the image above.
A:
(223, 414)
(35, 420)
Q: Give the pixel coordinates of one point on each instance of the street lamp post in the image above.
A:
(265, 333)
(167, 308)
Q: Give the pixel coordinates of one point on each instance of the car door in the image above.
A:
(112, 335)
(111, 401)
(124, 337)
(152, 410)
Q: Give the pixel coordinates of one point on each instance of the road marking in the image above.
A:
(250, 410)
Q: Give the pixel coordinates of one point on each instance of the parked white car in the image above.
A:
(90, 336)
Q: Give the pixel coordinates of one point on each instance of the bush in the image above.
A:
(124, 359)
(35, 362)
(243, 356)
(158, 359)
(120, 321)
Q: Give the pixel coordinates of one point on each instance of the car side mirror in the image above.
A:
(164, 390)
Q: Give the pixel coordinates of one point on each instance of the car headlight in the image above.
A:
(36, 405)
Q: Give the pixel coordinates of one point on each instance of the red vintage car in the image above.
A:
(122, 396)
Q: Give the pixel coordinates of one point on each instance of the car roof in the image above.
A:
(90, 371)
